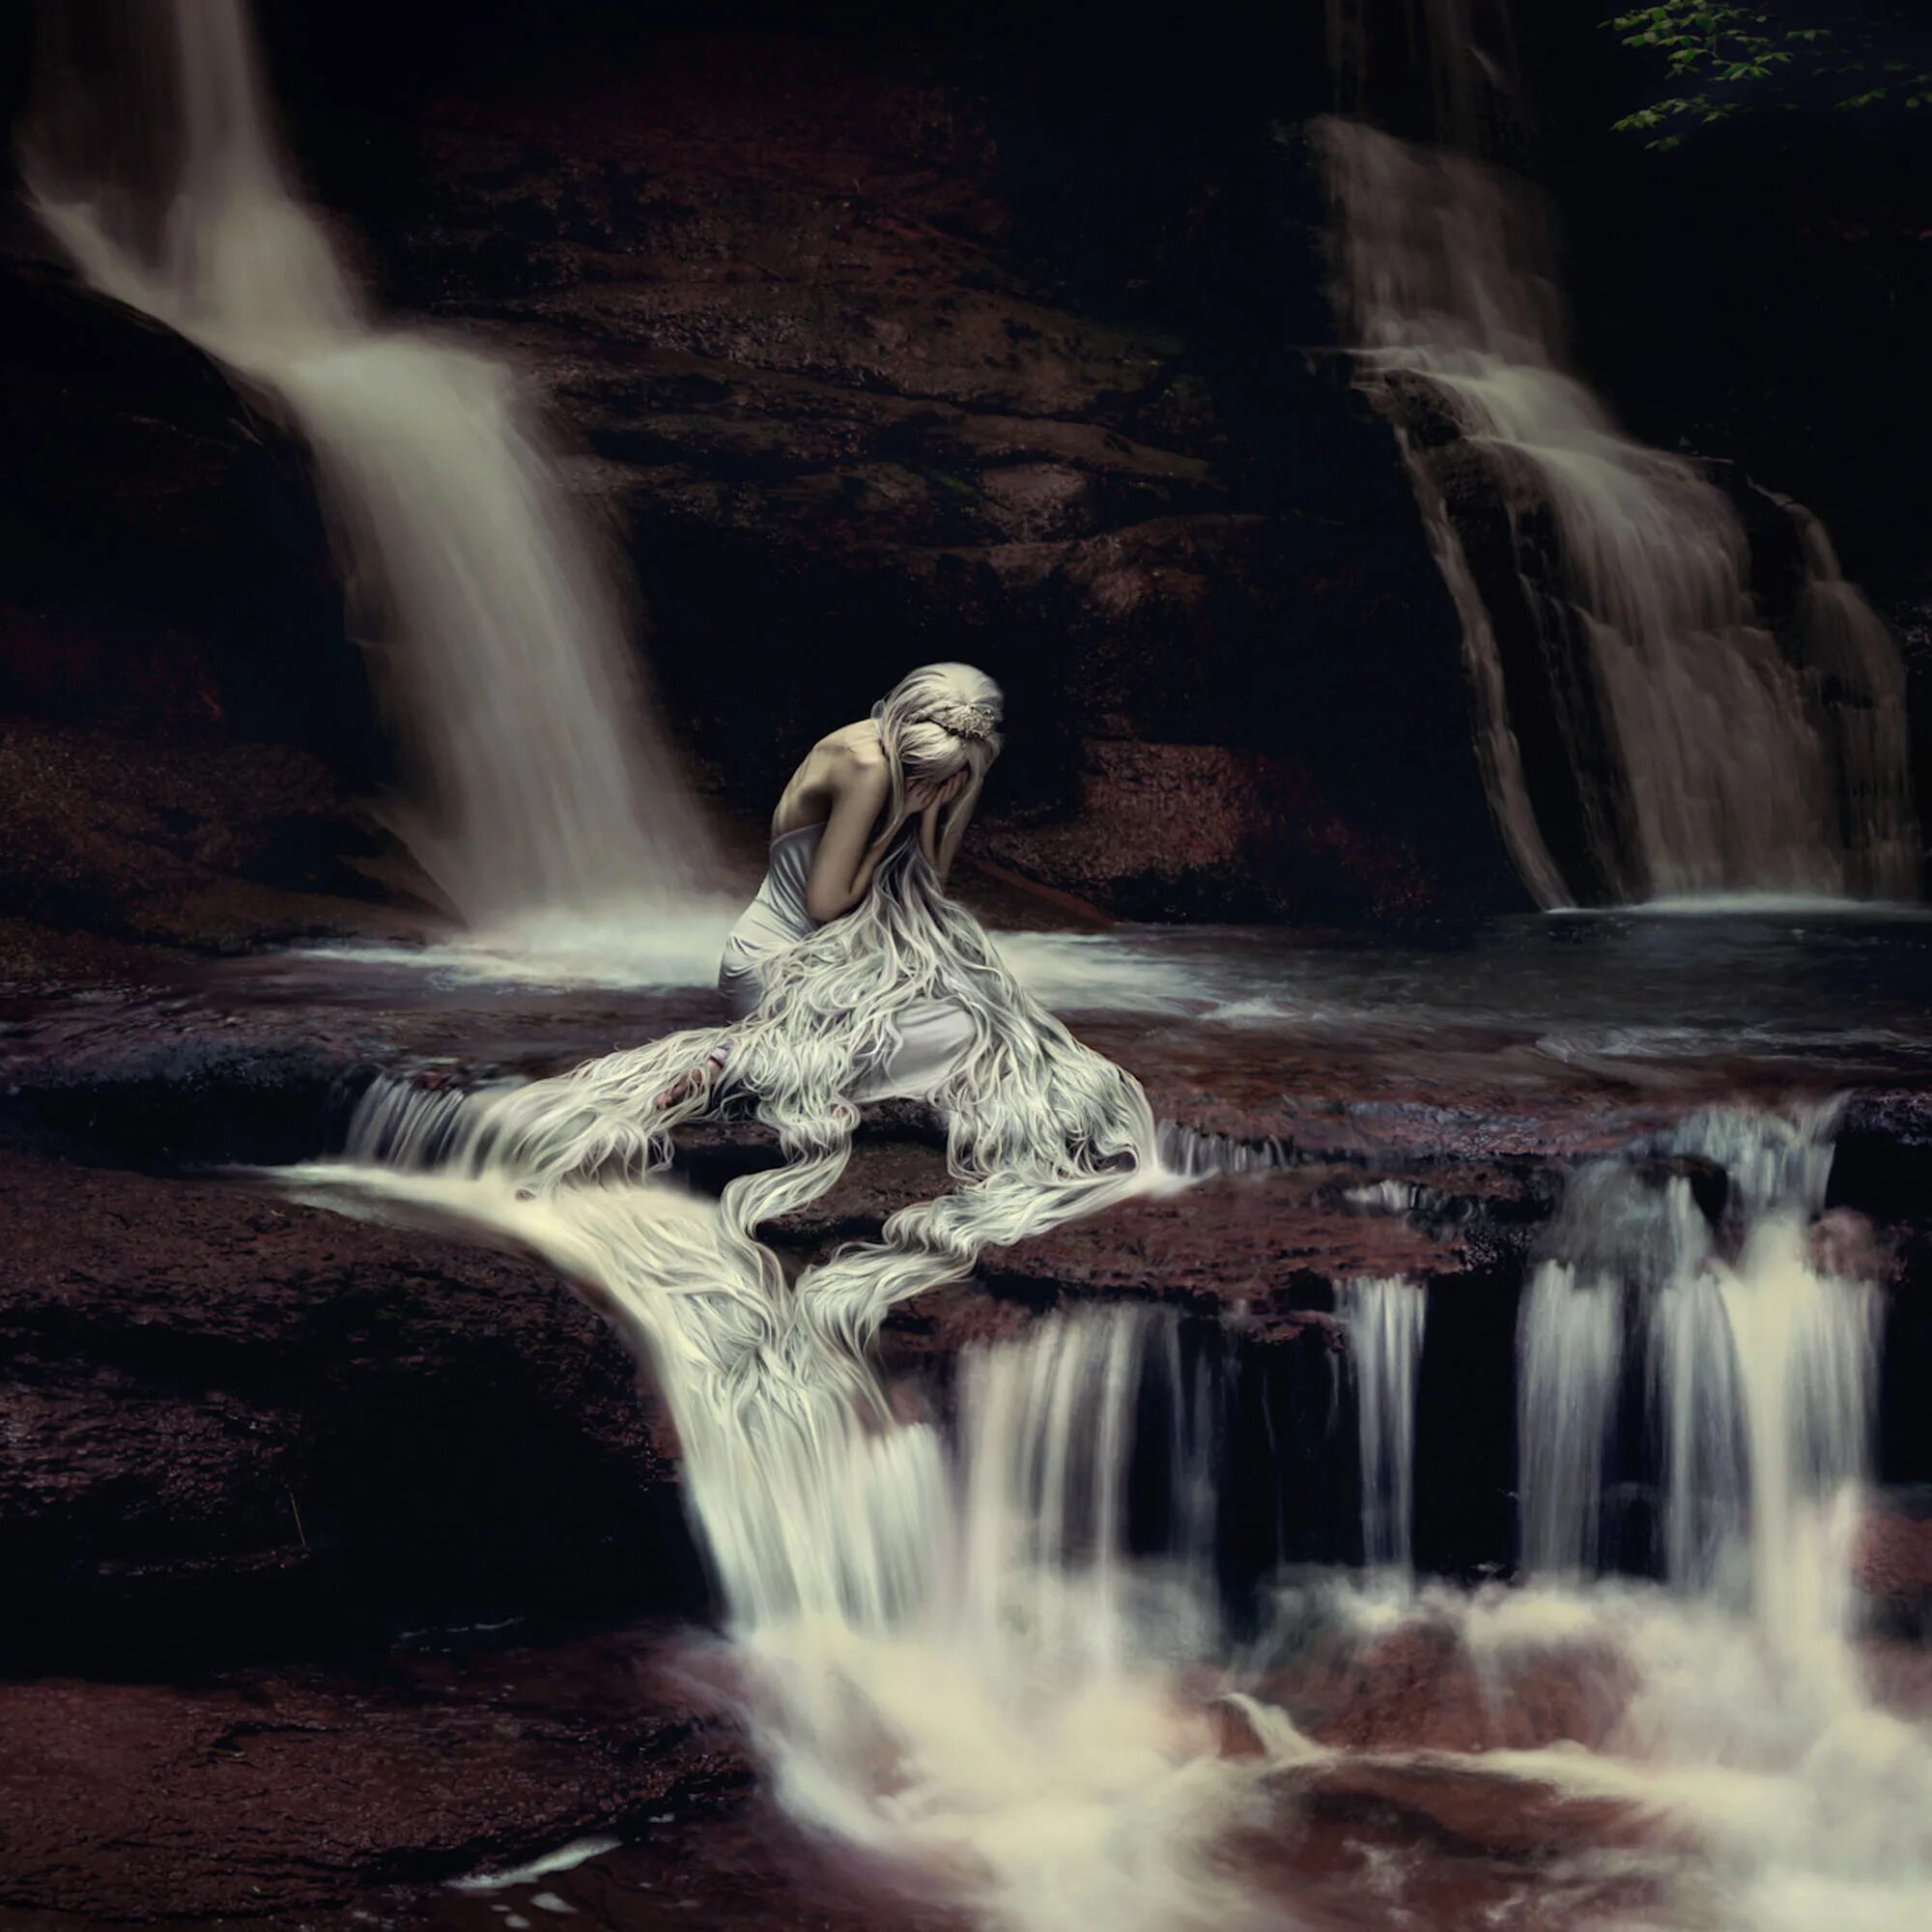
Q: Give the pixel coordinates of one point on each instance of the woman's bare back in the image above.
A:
(829, 771)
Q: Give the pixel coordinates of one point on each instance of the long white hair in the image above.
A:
(1039, 1128)
(937, 720)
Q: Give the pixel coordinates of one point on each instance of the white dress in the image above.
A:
(932, 1034)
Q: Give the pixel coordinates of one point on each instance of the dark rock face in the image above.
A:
(1895, 1562)
(167, 565)
(182, 720)
(261, 1794)
(1910, 615)
(120, 849)
(815, 322)
(1162, 831)
(237, 1424)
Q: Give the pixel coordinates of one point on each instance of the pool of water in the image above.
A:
(1846, 989)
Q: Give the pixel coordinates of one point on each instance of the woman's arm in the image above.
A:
(962, 817)
(843, 867)
(933, 811)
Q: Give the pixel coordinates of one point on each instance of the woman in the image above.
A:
(911, 772)
(852, 977)
(852, 974)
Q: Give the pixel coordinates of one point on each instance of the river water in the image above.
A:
(975, 1667)
(983, 1675)
(1805, 984)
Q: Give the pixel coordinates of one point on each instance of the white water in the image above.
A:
(1749, 1722)
(955, 1665)
(1756, 1369)
(482, 592)
(1016, 1731)
(1706, 754)
(947, 1658)
(1385, 1316)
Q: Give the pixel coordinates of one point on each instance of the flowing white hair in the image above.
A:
(936, 721)
(1039, 1128)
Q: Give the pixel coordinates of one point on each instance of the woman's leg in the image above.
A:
(933, 1037)
(738, 982)
(706, 1073)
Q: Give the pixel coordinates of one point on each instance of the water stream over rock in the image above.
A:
(1039, 1611)
(968, 1659)
(543, 795)
(1651, 725)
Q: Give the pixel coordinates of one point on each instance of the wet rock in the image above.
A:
(1882, 1153)
(1894, 1558)
(1418, 1688)
(801, 312)
(1498, 1827)
(1165, 831)
(264, 1796)
(1846, 1244)
(125, 854)
(1892, 1567)
(237, 1425)
(184, 725)
(169, 565)
(1255, 1248)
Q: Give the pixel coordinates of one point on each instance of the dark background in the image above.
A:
(1238, 672)
(1764, 291)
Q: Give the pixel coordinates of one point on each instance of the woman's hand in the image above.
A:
(925, 801)
(929, 794)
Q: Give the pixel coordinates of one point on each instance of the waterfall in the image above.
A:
(946, 1653)
(970, 1652)
(1018, 1728)
(1198, 1396)
(1567, 1352)
(1644, 731)
(941, 1651)
(1757, 1371)
(1385, 1316)
(481, 591)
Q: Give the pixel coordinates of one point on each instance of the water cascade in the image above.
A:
(542, 790)
(1681, 1309)
(1026, 1698)
(1649, 728)
(969, 1647)
(1685, 1341)
(1385, 1316)
(946, 1655)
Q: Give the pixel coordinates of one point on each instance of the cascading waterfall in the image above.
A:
(1017, 1727)
(948, 1658)
(1568, 1361)
(543, 791)
(1604, 588)
(1747, 1720)
(955, 1659)
(1754, 1369)
(1623, 1234)
(1384, 1318)
(1198, 1393)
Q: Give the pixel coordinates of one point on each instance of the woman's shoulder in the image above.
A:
(854, 752)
